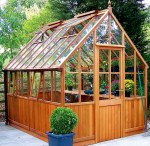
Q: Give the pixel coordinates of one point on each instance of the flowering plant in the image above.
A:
(129, 85)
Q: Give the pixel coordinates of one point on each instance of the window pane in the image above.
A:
(104, 86)
(115, 85)
(86, 87)
(115, 61)
(116, 34)
(103, 61)
(35, 82)
(129, 85)
(56, 89)
(47, 78)
(71, 88)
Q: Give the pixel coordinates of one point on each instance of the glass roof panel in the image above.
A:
(31, 53)
(19, 55)
(57, 52)
(102, 32)
(46, 54)
(116, 33)
(83, 33)
(44, 49)
(87, 50)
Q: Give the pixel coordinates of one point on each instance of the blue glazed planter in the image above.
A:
(60, 140)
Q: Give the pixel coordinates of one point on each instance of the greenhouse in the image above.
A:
(87, 63)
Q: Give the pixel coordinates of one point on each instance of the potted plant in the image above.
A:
(115, 87)
(115, 66)
(129, 86)
(62, 122)
(69, 82)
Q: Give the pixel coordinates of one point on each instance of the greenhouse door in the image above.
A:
(111, 92)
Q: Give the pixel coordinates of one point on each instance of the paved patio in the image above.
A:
(10, 136)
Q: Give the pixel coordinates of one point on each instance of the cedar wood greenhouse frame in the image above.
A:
(92, 54)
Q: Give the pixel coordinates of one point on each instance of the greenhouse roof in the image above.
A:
(54, 44)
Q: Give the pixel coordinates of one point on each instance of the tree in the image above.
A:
(130, 14)
(15, 27)
(11, 20)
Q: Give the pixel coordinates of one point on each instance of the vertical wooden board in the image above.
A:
(113, 122)
(10, 107)
(16, 109)
(116, 122)
(135, 113)
(119, 120)
(91, 120)
(141, 113)
(104, 122)
(36, 112)
(47, 124)
(132, 113)
(129, 113)
(42, 116)
(80, 121)
(110, 122)
(76, 130)
(84, 120)
(32, 109)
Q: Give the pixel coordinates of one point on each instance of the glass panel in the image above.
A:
(11, 82)
(102, 32)
(47, 78)
(58, 52)
(71, 88)
(39, 50)
(104, 87)
(129, 57)
(87, 55)
(22, 83)
(35, 82)
(129, 85)
(72, 63)
(45, 54)
(115, 61)
(56, 92)
(40, 93)
(25, 83)
(115, 85)
(86, 87)
(140, 86)
(103, 61)
(70, 49)
(24, 50)
(139, 65)
(116, 34)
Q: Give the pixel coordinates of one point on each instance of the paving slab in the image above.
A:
(10, 136)
(135, 140)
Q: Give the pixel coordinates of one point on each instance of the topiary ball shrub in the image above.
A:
(63, 120)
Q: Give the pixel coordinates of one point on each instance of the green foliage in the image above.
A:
(68, 80)
(149, 112)
(130, 14)
(35, 22)
(129, 85)
(63, 120)
(115, 63)
(115, 85)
